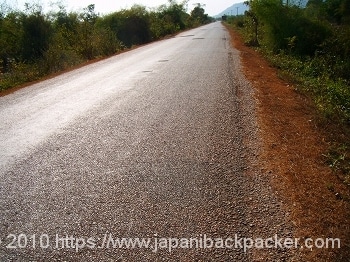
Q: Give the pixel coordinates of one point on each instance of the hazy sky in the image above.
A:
(213, 7)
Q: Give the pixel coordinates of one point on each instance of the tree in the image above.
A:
(198, 16)
(131, 27)
(338, 11)
(255, 23)
(86, 30)
(10, 39)
(282, 24)
(175, 15)
(134, 26)
(36, 35)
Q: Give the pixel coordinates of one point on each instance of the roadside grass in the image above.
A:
(332, 101)
(314, 78)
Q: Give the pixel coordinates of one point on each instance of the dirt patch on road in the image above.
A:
(292, 155)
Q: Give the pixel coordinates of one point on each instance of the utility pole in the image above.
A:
(237, 10)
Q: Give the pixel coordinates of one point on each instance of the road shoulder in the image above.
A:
(292, 151)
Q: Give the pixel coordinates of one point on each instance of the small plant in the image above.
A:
(336, 156)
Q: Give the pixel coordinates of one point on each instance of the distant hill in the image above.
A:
(232, 10)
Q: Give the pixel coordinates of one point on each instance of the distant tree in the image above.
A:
(131, 26)
(175, 15)
(198, 16)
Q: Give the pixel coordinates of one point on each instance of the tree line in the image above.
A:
(310, 41)
(34, 44)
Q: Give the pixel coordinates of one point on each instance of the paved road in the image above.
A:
(159, 142)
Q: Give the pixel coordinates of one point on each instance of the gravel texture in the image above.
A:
(158, 142)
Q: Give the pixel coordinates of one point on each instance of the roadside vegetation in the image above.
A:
(310, 45)
(34, 44)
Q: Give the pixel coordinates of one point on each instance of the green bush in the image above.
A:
(20, 73)
(287, 27)
(33, 44)
(310, 45)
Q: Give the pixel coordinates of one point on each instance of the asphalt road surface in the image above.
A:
(160, 142)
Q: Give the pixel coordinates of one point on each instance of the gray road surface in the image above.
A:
(159, 142)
